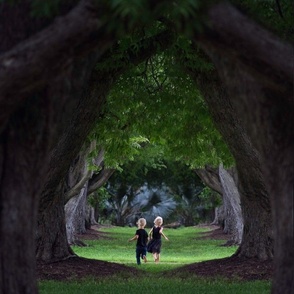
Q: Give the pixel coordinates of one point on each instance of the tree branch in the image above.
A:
(264, 55)
(99, 180)
(77, 188)
(33, 62)
(210, 177)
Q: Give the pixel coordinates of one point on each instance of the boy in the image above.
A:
(142, 237)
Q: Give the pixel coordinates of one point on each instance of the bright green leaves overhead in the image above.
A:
(156, 105)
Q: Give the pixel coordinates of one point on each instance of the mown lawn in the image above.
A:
(184, 247)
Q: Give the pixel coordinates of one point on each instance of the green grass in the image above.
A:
(155, 285)
(183, 248)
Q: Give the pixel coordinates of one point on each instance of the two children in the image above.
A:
(154, 245)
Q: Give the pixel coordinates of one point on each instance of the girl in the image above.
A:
(154, 244)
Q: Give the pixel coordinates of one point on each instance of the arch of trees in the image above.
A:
(58, 64)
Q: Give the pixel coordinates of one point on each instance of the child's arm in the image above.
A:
(165, 237)
(149, 234)
(161, 232)
(134, 238)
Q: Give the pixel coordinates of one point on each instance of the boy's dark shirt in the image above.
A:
(143, 238)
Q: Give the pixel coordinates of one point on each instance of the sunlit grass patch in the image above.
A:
(183, 248)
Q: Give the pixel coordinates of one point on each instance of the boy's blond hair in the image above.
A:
(158, 221)
(141, 222)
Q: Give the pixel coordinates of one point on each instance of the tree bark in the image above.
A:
(28, 130)
(22, 67)
(257, 235)
(80, 179)
(210, 177)
(230, 216)
(76, 195)
(75, 211)
(51, 238)
(231, 199)
(69, 145)
(24, 136)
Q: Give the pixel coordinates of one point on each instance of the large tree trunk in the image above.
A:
(27, 129)
(24, 136)
(257, 69)
(32, 116)
(81, 182)
(61, 158)
(51, 238)
(257, 234)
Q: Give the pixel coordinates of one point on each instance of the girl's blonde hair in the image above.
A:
(158, 221)
(141, 222)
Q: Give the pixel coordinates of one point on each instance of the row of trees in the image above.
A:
(174, 192)
(55, 76)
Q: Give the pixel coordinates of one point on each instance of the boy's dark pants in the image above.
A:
(140, 252)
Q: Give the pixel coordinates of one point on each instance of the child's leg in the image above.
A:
(144, 254)
(154, 256)
(138, 253)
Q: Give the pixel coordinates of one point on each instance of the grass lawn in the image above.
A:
(183, 248)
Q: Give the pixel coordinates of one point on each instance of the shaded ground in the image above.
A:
(231, 268)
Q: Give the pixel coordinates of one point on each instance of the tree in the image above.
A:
(228, 215)
(83, 178)
(232, 206)
(148, 188)
(245, 71)
(89, 107)
(42, 102)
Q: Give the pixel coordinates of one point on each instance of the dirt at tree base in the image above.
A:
(231, 268)
(76, 268)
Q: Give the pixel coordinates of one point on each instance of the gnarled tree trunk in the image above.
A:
(70, 144)
(232, 205)
(76, 195)
(75, 211)
(257, 234)
(230, 216)
(257, 69)
(82, 182)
